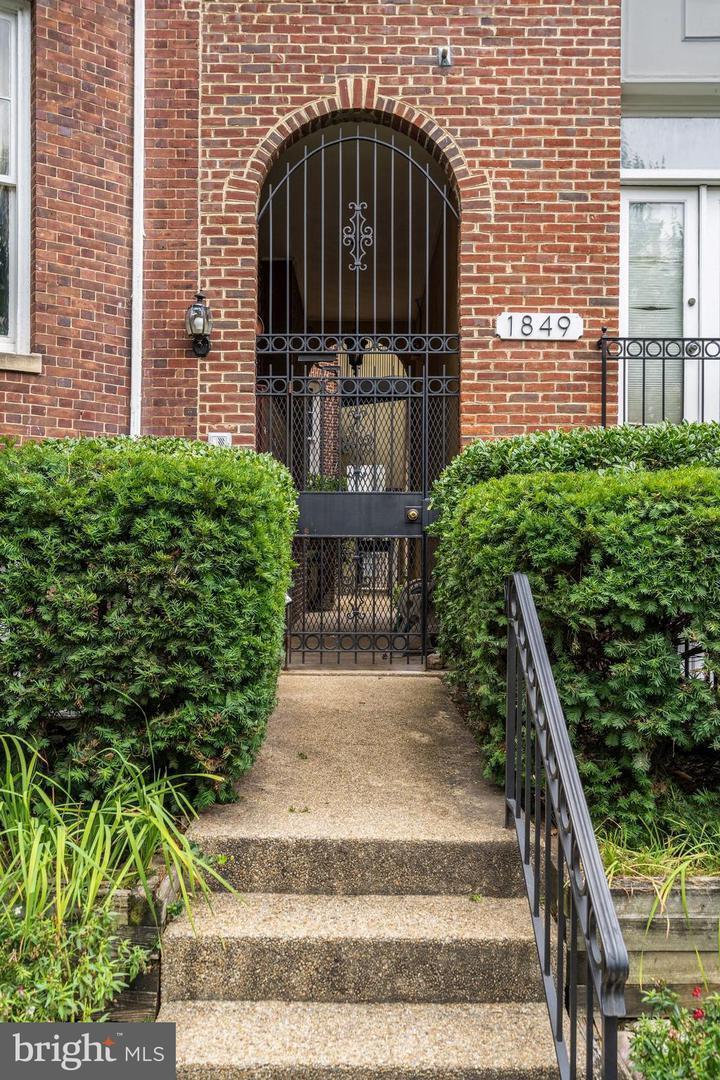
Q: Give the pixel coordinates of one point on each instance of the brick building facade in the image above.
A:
(411, 222)
(526, 120)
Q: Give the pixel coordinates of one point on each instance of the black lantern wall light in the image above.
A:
(198, 323)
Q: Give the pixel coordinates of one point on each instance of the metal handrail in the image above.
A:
(562, 867)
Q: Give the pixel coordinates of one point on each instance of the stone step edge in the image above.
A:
(280, 1040)
(371, 918)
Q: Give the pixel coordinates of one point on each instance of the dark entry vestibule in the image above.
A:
(358, 380)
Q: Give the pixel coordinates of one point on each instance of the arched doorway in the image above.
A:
(358, 388)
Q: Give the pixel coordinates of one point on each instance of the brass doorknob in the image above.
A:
(412, 514)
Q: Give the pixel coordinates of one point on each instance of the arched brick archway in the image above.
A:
(358, 372)
(353, 96)
(226, 379)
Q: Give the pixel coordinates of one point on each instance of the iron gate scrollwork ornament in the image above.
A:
(358, 235)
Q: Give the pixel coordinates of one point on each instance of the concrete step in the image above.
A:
(365, 785)
(272, 1040)
(352, 865)
(353, 948)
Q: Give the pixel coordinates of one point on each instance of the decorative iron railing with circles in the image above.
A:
(358, 389)
(661, 378)
(319, 345)
(582, 955)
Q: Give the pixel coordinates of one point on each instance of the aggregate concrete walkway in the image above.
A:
(383, 930)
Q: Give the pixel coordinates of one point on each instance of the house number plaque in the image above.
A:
(539, 326)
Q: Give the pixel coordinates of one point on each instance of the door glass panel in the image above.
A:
(656, 306)
(4, 262)
(4, 137)
(4, 57)
(5, 105)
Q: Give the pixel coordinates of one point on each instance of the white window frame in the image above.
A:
(19, 180)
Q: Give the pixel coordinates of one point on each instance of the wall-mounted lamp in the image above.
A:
(444, 56)
(198, 323)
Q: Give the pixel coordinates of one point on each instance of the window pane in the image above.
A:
(4, 137)
(4, 57)
(656, 270)
(671, 142)
(4, 262)
(657, 233)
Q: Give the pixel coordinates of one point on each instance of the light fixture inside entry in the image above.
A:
(198, 323)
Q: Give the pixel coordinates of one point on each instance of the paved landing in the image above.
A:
(364, 756)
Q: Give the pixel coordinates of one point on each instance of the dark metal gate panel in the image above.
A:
(357, 387)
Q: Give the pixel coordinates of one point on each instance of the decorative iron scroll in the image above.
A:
(358, 235)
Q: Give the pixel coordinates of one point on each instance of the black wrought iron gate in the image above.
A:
(357, 385)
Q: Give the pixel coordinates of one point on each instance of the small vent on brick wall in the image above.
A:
(220, 438)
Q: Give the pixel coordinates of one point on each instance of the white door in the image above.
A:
(708, 407)
(660, 299)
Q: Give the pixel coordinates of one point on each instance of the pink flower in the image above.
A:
(699, 1014)
(697, 992)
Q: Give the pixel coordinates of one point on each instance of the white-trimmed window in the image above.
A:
(15, 137)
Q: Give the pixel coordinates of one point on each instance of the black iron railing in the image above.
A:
(661, 378)
(583, 959)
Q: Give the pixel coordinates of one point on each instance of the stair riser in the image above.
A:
(360, 867)
(218, 969)
(294, 1072)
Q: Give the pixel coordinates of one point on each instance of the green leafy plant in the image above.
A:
(322, 482)
(657, 446)
(142, 605)
(624, 567)
(675, 1043)
(64, 861)
(66, 973)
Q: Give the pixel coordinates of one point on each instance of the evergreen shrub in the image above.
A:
(142, 597)
(658, 446)
(625, 568)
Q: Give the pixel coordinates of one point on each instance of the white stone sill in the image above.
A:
(27, 362)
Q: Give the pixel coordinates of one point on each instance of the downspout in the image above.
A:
(138, 221)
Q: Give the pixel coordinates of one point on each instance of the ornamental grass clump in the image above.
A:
(62, 863)
(625, 570)
(142, 601)
(64, 860)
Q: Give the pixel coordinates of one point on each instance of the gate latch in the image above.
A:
(412, 514)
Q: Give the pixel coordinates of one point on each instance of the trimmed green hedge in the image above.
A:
(142, 600)
(659, 446)
(623, 567)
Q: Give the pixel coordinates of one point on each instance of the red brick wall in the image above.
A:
(529, 114)
(170, 385)
(82, 165)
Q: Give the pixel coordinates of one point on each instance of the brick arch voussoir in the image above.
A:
(357, 93)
